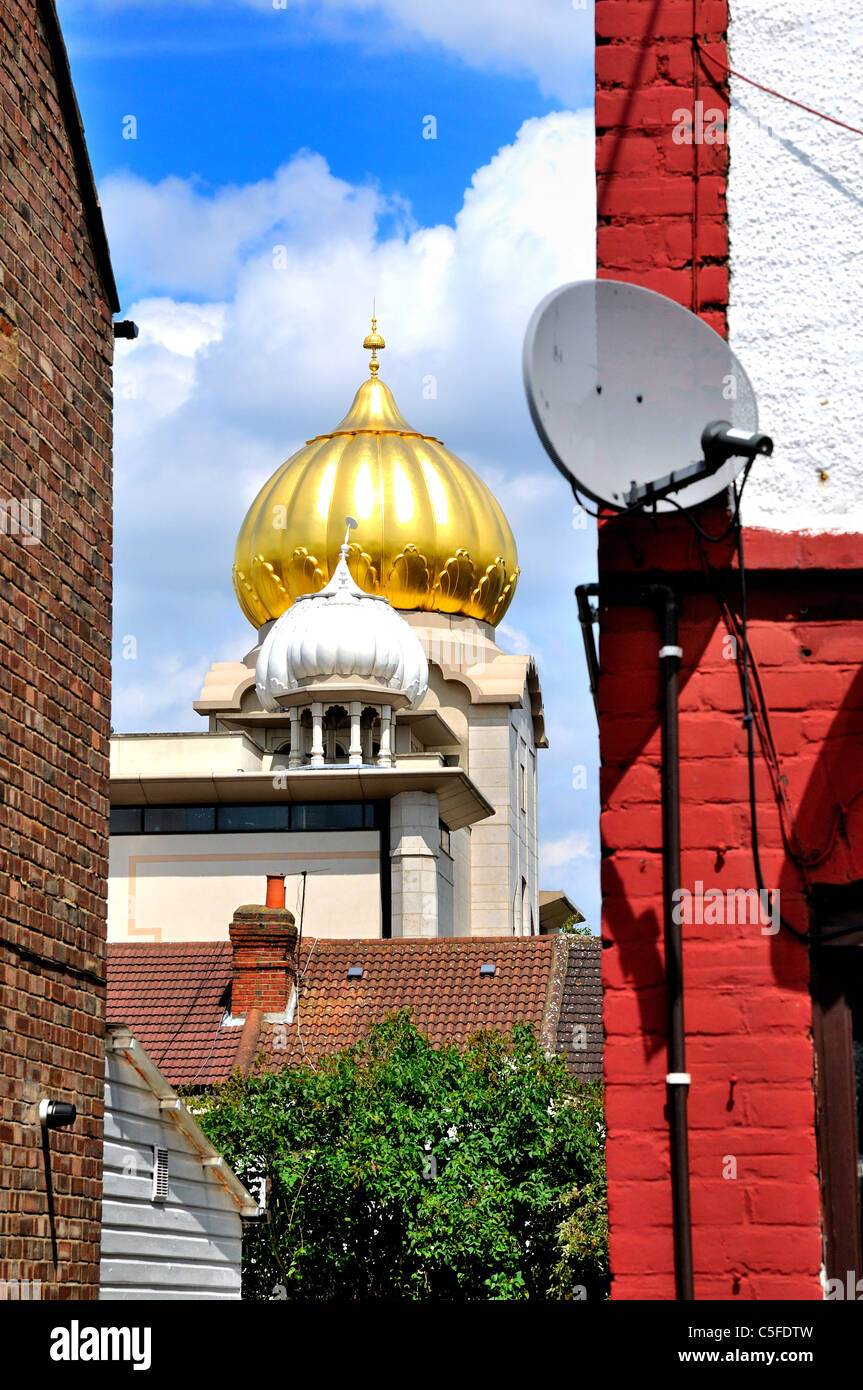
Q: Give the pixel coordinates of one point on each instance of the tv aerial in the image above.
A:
(637, 401)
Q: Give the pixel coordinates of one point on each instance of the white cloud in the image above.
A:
(180, 236)
(551, 41)
(213, 396)
(556, 854)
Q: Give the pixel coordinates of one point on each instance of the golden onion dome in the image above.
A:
(430, 533)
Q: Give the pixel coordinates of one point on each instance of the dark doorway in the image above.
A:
(837, 997)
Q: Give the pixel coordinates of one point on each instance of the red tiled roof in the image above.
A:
(438, 979)
(175, 996)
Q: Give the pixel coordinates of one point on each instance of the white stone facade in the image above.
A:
(458, 781)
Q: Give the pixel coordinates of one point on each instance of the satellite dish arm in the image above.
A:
(720, 442)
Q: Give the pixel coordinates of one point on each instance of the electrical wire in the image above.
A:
(804, 862)
(748, 722)
(760, 717)
(705, 535)
(792, 101)
(214, 959)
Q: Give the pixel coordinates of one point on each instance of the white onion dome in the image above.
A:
(340, 643)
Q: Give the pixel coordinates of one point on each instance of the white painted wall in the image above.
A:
(186, 887)
(795, 204)
(187, 1247)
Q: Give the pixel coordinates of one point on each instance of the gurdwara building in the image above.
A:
(375, 745)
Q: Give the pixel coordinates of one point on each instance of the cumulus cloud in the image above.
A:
(253, 346)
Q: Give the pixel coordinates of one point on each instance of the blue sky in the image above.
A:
(259, 124)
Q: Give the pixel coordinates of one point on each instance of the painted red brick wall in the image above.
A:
(652, 211)
(756, 1235)
(55, 397)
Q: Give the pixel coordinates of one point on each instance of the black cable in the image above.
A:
(705, 535)
(804, 937)
(748, 721)
(735, 525)
(214, 958)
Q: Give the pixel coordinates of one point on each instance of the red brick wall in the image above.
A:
(55, 595)
(264, 940)
(748, 1010)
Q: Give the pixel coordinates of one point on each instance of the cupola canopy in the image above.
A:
(342, 644)
(433, 536)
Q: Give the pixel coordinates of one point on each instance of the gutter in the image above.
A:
(78, 145)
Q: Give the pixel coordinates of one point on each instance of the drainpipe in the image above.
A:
(677, 1080)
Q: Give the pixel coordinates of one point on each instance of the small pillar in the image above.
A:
(295, 757)
(355, 752)
(317, 735)
(385, 755)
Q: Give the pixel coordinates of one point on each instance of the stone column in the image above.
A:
(317, 735)
(295, 757)
(414, 846)
(355, 752)
(385, 755)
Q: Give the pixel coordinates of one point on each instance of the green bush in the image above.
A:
(398, 1170)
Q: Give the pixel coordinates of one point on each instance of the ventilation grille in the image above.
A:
(160, 1174)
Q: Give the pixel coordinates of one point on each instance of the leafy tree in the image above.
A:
(575, 926)
(398, 1170)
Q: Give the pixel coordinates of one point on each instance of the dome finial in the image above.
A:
(374, 341)
(350, 525)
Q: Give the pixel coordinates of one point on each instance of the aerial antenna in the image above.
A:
(350, 525)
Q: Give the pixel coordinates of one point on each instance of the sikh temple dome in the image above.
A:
(431, 534)
(375, 747)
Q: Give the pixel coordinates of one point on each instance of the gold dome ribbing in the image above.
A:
(431, 535)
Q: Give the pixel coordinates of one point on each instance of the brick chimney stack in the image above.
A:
(265, 959)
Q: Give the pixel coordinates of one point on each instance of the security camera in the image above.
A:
(56, 1114)
(720, 441)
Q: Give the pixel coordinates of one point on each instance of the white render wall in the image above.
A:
(795, 206)
(186, 1247)
(187, 887)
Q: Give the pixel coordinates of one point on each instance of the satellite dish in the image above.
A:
(622, 383)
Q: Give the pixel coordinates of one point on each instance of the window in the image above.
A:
(273, 817)
(126, 820)
(227, 820)
(445, 840)
(321, 815)
(178, 820)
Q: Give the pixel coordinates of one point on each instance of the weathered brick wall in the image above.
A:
(55, 594)
(755, 1197)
